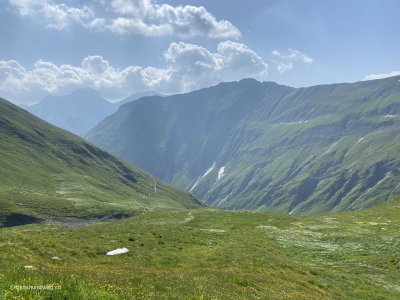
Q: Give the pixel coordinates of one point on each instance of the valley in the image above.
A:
(205, 150)
(49, 173)
(79, 223)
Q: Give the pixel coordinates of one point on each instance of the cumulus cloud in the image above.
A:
(381, 76)
(55, 16)
(193, 66)
(126, 17)
(285, 61)
(187, 67)
(239, 58)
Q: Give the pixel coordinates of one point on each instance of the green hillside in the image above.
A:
(47, 172)
(209, 254)
(253, 145)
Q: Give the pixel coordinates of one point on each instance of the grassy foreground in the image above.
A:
(209, 254)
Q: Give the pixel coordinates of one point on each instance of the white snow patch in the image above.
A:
(292, 123)
(118, 251)
(391, 116)
(204, 175)
(213, 230)
(30, 267)
(221, 172)
(360, 140)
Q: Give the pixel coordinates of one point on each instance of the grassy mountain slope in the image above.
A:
(210, 254)
(261, 146)
(46, 171)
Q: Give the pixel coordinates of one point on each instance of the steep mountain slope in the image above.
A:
(48, 172)
(259, 145)
(80, 111)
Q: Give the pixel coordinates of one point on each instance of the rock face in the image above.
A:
(253, 145)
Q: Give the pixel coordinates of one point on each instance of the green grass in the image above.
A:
(283, 149)
(210, 254)
(46, 171)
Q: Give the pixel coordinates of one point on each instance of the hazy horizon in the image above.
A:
(123, 47)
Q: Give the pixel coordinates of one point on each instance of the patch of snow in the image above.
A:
(292, 123)
(118, 251)
(216, 230)
(195, 184)
(391, 116)
(204, 175)
(221, 173)
(29, 267)
(360, 140)
(291, 212)
(213, 230)
(209, 170)
(55, 258)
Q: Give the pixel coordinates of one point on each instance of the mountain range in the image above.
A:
(264, 146)
(46, 172)
(79, 111)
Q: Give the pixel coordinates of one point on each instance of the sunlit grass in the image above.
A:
(210, 254)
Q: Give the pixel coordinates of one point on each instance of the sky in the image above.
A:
(122, 47)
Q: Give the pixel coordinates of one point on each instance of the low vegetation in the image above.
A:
(208, 254)
(47, 172)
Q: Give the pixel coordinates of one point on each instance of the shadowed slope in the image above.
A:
(46, 171)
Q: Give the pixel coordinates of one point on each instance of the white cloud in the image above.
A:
(193, 66)
(187, 67)
(285, 61)
(125, 17)
(56, 16)
(380, 76)
(241, 59)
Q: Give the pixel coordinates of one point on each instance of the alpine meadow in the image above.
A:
(184, 149)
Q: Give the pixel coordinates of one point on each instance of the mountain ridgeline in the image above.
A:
(79, 111)
(46, 172)
(253, 145)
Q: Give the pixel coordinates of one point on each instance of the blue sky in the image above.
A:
(121, 47)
